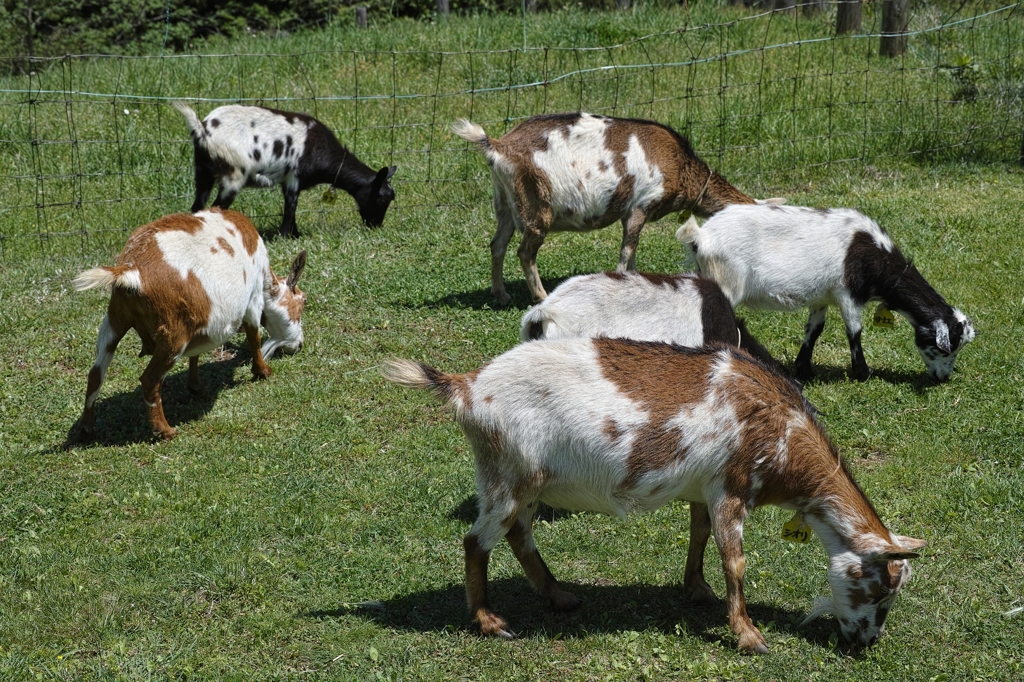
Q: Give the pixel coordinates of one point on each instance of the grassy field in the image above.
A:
(91, 148)
(309, 526)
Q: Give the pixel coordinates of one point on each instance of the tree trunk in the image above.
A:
(848, 17)
(442, 8)
(813, 7)
(785, 5)
(895, 17)
(623, 4)
(361, 17)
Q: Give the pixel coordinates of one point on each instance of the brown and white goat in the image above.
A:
(185, 283)
(579, 172)
(618, 426)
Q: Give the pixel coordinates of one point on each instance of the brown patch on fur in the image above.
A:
(882, 583)
(766, 405)
(296, 304)
(223, 244)
(250, 236)
(611, 429)
(662, 379)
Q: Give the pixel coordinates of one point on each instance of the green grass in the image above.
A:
(309, 526)
(312, 523)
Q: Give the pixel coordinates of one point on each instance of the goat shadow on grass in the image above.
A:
(827, 375)
(604, 609)
(469, 509)
(121, 419)
(481, 299)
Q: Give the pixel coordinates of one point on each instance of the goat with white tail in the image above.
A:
(242, 146)
(185, 283)
(790, 257)
(619, 426)
(579, 172)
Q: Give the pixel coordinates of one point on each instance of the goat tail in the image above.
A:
(472, 132)
(107, 277)
(534, 324)
(413, 374)
(195, 126)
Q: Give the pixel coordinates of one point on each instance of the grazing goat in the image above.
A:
(185, 283)
(579, 172)
(619, 426)
(687, 309)
(242, 146)
(789, 257)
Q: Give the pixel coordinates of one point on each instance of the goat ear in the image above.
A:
(298, 265)
(774, 201)
(895, 553)
(909, 543)
(382, 176)
(391, 172)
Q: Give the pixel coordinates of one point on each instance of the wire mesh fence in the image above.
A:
(90, 147)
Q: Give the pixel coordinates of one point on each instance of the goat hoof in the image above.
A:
(753, 642)
(564, 601)
(861, 375)
(493, 625)
(167, 435)
(700, 593)
(804, 374)
(86, 432)
(502, 300)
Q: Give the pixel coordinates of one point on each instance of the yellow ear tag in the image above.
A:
(795, 530)
(883, 317)
(328, 197)
(684, 216)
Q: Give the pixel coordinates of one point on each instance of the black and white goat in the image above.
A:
(242, 146)
(618, 426)
(789, 257)
(686, 309)
(579, 172)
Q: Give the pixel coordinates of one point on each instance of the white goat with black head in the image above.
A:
(686, 309)
(579, 172)
(243, 146)
(618, 426)
(790, 257)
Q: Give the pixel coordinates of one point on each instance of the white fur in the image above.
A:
(778, 257)
(790, 257)
(628, 306)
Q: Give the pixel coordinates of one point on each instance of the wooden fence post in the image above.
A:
(813, 7)
(623, 4)
(442, 8)
(361, 17)
(848, 17)
(895, 18)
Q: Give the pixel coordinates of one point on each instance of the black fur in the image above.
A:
(323, 160)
